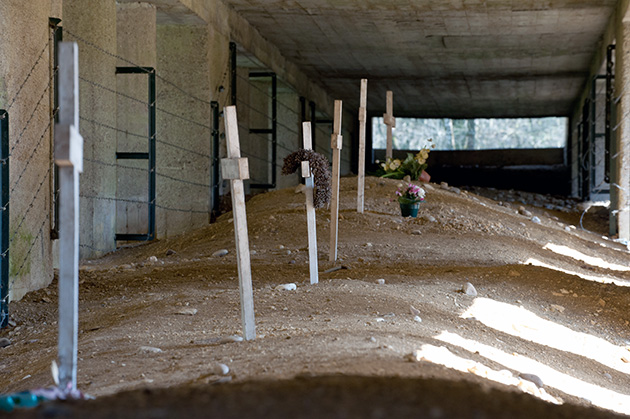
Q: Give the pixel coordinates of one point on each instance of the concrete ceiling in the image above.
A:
(441, 58)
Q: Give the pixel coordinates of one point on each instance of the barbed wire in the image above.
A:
(41, 138)
(119, 57)
(28, 76)
(28, 209)
(17, 141)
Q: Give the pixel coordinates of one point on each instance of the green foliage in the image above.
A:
(473, 134)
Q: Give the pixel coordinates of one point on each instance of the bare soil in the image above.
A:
(388, 334)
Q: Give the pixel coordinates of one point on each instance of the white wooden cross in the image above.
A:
(336, 143)
(390, 121)
(69, 158)
(310, 208)
(362, 122)
(235, 168)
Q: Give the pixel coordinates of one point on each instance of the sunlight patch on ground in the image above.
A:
(524, 324)
(597, 395)
(594, 278)
(442, 356)
(577, 255)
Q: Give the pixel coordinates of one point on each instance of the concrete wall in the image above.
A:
(184, 129)
(24, 81)
(136, 40)
(96, 25)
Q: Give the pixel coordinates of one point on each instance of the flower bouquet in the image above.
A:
(409, 197)
(412, 166)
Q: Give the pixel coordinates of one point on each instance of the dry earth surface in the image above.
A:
(390, 334)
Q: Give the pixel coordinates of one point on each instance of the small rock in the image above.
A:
(608, 376)
(372, 339)
(152, 259)
(533, 378)
(170, 252)
(523, 211)
(557, 308)
(414, 311)
(444, 185)
(12, 323)
(220, 253)
(416, 232)
(220, 369)
(625, 360)
(514, 273)
(380, 281)
(567, 228)
(602, 302)
(4, 342)
(230, 339)
(188, 311)
(150, 349)
(379, 320)
(286, 287)
(417, 319)
(469, 289)
(455, 190)
(368, 244)
(536, 220)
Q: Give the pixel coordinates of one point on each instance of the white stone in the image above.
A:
(417, 319)
(152, 259)
(469, 289)
(188, 311)
(536, 220)
(220, 253)
(286, 287)
(220, 369)
(150, 349)
(380, 281)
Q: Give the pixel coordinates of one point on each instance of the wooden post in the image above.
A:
(235, 168)
(310, 208)
(390, 121)
(69, 158)
(362, 122)
(336, 143)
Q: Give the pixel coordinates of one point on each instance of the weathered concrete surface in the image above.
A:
(136, 40)
(622, 161)
(24, 79)
(184, 129)
(450, 58)
(97, 25)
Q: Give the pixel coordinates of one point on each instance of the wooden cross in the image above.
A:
(236, 169)
(390, 121)
(336, 143)
(69, 158)
(362, 122)
(310, 208)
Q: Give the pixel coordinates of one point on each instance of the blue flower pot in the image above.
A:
(409, 210)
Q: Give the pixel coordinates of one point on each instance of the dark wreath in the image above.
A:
(320, 168)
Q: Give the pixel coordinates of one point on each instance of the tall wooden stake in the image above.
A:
(310, 208)
(69, 158)
(362, 122)
(336, 143)
(390, 121)
(236, 168)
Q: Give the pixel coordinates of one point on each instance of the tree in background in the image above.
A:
(473, 134)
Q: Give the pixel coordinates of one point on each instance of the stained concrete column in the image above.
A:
(183, 128)
(95, 30)
(621, 165)
(136, 39)
(24, 75)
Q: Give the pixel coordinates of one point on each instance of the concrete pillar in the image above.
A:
(622, 163)
(289, 131)
(183, 177)
(136, 40)
(25, 39)
(97, 25)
